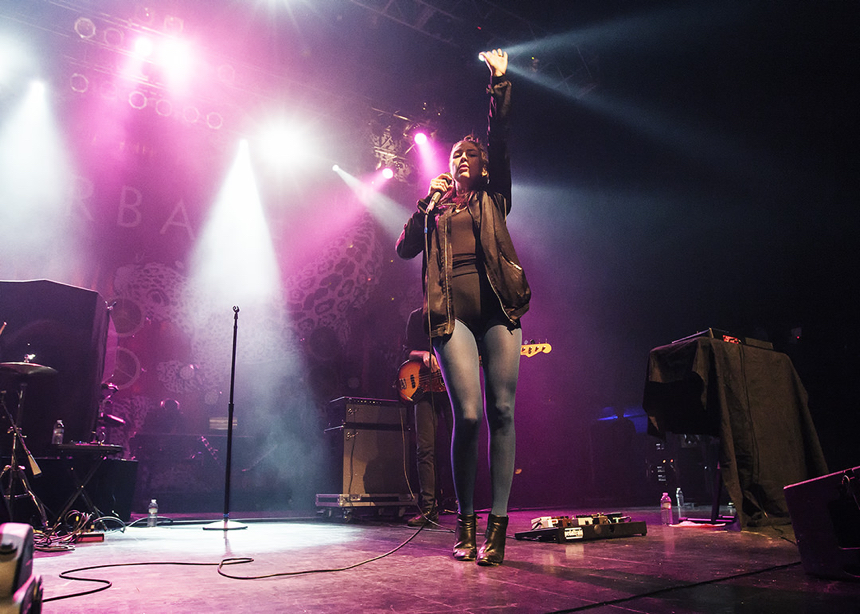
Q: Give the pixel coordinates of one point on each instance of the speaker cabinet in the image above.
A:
(369, 448)
(825, 513)
(65, 328)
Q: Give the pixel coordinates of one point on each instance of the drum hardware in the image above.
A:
(14, 473)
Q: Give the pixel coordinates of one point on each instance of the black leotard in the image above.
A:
(475, 303)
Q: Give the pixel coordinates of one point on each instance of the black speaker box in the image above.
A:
(65, 328)
(825, 514)
(369, 448)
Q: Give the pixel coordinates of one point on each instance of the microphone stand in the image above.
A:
(226, 524)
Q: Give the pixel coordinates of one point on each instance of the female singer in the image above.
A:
(475, 292)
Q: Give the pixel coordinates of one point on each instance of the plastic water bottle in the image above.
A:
(152, 519)
(665, 509)
(679, 498)
(59, 433)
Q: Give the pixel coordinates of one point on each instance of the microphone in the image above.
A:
(434, 200)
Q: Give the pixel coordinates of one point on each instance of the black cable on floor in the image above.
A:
(670, 589)
(66, 575)
(310, 571)
(107, 583)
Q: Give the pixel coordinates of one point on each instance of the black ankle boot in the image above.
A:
(466, 548)
(493, 550)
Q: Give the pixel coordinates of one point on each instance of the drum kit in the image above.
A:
(13, 480)
(14, 485)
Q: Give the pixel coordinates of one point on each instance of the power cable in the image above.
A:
(677, 587)
(232, 561)
(106, 584)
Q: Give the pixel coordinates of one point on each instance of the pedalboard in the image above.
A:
(583, 527)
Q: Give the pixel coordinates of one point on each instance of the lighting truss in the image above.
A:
(391, 139)
(459, 22)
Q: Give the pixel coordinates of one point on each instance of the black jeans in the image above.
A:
(433, 423)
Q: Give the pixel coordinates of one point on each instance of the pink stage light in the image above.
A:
(420, 138)
(137, 100)
(79, 83)
(434, 160)
(85, 28)
(164, 107)
(113, 37)
(143, 47)
(191, 114)
(214, 120)
(177, 60)
(387, 173)
(283, 144)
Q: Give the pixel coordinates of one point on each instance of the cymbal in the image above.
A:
(25, 368)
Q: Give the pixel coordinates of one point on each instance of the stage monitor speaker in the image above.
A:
(825, 514)
(65, 328)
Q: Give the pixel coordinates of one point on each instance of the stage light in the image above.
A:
(335, 168)
(173, 25)
(234, 260)
(85, 28)
(38, 88)
(143, 47)
(191, 114)
(113, 37)
(176, 59)
(164, 107)
(137, 99)
(144, 14)
(387, 173)
(18, 63)
(79, 83)
(420, 138)
(35, 173)
(287, 143)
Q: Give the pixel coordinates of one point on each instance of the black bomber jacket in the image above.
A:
(489, 209)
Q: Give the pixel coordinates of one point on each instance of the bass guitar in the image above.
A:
(414, 379)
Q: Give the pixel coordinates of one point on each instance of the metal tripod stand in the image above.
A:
(14, 476)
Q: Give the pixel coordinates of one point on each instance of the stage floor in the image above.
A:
(174, 568)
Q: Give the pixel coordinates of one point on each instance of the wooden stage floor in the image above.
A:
(174, 568)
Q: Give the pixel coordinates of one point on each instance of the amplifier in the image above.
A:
(366, 413)
(367, 461)
(369, 454)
